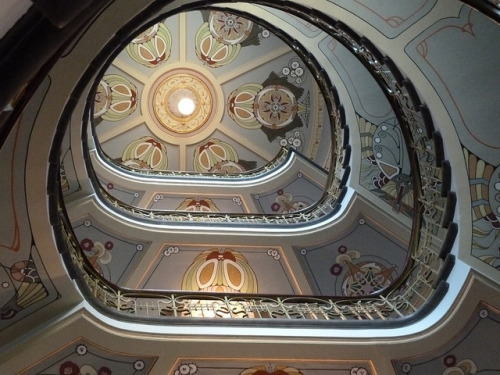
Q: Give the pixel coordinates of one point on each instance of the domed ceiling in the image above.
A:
(248, 94)
(215, 93)
(237, 117)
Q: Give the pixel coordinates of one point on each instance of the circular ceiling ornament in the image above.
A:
(275, 106)
(182, 102)
(229, 28)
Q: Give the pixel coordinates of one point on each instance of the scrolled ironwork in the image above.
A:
(416, 288)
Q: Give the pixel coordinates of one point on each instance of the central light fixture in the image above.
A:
(182, 101)
(186, 106)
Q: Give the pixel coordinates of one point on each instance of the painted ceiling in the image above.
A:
(265, 98)
(254, 95)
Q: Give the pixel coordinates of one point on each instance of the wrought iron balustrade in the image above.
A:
(416, 290)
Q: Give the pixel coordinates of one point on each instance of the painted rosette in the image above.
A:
(220, 270)
(240, 105)
(145, 153)
(213, 52)
(211, 153)
(151, 47)
(228, 28)
(275, 106)
(116, 98)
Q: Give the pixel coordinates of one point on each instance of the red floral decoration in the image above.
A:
(69, 368)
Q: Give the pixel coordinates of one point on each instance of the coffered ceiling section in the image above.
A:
(210, 92)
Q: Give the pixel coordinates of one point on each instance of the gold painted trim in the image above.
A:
(163, 99)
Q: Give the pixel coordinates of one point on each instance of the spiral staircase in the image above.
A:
(327, 202)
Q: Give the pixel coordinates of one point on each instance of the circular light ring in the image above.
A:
(182, 102)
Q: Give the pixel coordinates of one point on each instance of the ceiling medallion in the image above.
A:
(182, 103)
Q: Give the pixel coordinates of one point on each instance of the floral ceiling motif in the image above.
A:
(115, 99)
(348, 265)
(145, 153)
(22, 280)
(201, 205)
(112, 255)
(216, 156)
(120, 103)
(272, 105)
(271, 369)
(362, 277)
(152, 46)
(220, 270)
(25, 285)
(220, 39)
(136, 99)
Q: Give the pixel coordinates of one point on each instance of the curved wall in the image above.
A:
(444, 102)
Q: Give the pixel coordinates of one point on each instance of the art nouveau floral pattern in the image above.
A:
(198, 205)
(216, 156)
(145, 153)
(115, 98)
(220, 270)
(273, 106)
(27, 284)
(151, 47)
(220, 39)
(360, 277)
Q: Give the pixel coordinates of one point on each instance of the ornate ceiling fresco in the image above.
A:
(217, 97)
(251, 94)
(251, 97)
